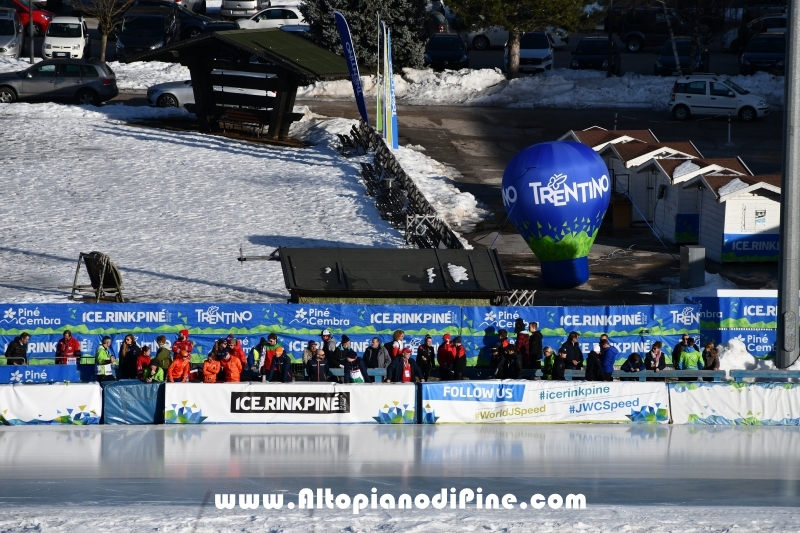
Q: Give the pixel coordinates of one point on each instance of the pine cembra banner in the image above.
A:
(290, 403)
(77, 404)
(543, 402)
(739, 404)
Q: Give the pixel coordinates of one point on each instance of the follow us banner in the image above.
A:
(632, 328)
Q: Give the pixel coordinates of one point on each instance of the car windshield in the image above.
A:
(446, 44)
(534, 40)
(735, 87)
(7, 27)
(684, 47)
(62, 29)
(767, 45)
(592, 46)
(143, 26)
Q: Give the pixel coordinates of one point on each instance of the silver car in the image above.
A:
(171, 94)
(83, 81)
(10, 33)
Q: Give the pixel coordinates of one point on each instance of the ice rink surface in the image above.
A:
(639, 478)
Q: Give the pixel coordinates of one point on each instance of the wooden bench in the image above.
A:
(254, 119)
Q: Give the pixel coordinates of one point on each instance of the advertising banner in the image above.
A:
(541, 402)
(41, 374)
(352, 63)
(69, 404)
(753, 321)
(295, 403)
(735, 404)
(750, 247)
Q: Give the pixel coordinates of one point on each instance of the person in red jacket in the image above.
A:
(183, 343)
(179, 369)
(446, 355)
(398, 343)
(143, 361)
(68, 349)
(460, 361)
(235, 347)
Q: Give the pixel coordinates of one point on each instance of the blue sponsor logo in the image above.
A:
(473, 392)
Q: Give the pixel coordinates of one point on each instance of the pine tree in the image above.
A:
(405, 18)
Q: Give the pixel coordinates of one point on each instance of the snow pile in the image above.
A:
(431, 275)
(734, 356)
(458, 273)
(732, 186)
(171, 208)
(687, 167)
(714, 282)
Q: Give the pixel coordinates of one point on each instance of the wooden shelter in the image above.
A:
(249, 76)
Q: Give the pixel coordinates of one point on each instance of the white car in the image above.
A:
(66, 37)
(11, 33)
(272, 17)
(709, 94)
(535, 53)
(497, 36)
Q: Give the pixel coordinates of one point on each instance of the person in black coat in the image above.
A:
(559, 365)
(355, 370)
(594, 370)
(17, 350)
(128, 355)
(574, 355)
(341, 353)
(317, 368)
(655, 359)
(426, 357)
(535, 345)
(512, 363)
(281, 369)
(404, 369)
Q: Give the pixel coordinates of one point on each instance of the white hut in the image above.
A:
(739, 217)
(676, 211)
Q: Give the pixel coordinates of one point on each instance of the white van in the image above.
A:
(66, 37)
(236, 9)
(710, 94)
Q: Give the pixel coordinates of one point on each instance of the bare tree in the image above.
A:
(107, 13)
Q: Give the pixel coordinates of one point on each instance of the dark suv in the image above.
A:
(146, 28)
(84, 81)
(647, 26)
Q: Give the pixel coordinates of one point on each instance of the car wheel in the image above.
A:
(167, 100)
(37, 30)
(87, 98)
(680, 112)
(633, 45)
(7, 95)
(480, 43)
(747, 114)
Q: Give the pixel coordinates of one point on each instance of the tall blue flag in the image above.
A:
(352, 64)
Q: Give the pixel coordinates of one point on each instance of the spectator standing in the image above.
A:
(522, 341)
(710, 359)
(446, 356)
(68, 349)
(574, 355)
(426, 359)
(232, 368)
(608, 355)
(691, 358)
(559, 365)
(594, 368)
(237, 351)
(17, 350)
(104, 360)
(183, 343)
(281, 369)
(143, 361)
(496, 362)
(548, 362)
(317, 368)
(340, 353)
(376, 355)
(654, 359)
(265, 362)
(398, 343)
(355, 370)
(535, 345)
(512, 363)
(256, 353)
(162, 358)
(128, 357)
(211, 368)
(179, 369)
(460, 361)
(310, 352)
(153, 373)
(678, 349)
(328, 343)
(634, 363)
(404, 369)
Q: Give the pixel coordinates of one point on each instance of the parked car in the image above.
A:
(498, 36)
(234, 9)
(665, 63)
(766, 52)
(191, 23)
(274, 17)
(535, 53)
(736, 39)
(446, 50)
(171, 94)
(84, 81)
(647, 26)
(709, 94)
(558, 36)
(146, 28)
(11, 33)
(436, 23)
(217, 25)
(41, 18)
(592, 54)
(66, 37)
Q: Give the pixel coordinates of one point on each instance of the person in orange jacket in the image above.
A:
(183, 343)
(235, 347)
(210, 369)
(179, 369)
(232, 367)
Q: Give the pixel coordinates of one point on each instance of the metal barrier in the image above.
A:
(374, 372)
(739, 375)
(715, 375)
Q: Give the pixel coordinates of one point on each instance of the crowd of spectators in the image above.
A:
(268, 361)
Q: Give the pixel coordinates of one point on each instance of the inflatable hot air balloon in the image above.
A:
(556, 194)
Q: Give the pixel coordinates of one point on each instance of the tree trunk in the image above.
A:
(103, 43)
(513, 53)
(672, 39)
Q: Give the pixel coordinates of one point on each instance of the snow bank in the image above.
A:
(714, 282)
(733, 355)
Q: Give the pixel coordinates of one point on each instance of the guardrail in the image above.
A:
(374, 372)
(715, 375)
(739, 375)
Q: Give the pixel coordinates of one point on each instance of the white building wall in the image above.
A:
(740, 214)
(712, 223)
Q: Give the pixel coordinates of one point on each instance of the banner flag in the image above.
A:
(352, 64)
(378, 81)
(385, 86)
(391, 122)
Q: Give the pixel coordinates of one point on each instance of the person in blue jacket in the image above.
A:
(317, 368)
(608, 354)
(355, 370)
(281, 369)
(633, 364)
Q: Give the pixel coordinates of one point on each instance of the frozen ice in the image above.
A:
(458, 273)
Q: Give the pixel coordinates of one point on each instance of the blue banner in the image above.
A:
(44, 374)
(391, 125)
(687, 228)
(749, 247)
(352, 63)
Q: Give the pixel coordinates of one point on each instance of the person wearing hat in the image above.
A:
(183, 343)
(328, 343)
(317, 368)
(355, 370)
(340, 353)
(153, 373)
(460, 361)
(281, 369)
(559, 365)
(179, 369)
(425, 357)
(236, 350)
(404, 369)
(512, 363)
(211, 368)
(310, 351)
(446, 355)
(574, 354)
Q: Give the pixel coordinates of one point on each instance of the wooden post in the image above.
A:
(205, 110)
(279, 107)
(291, 95)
